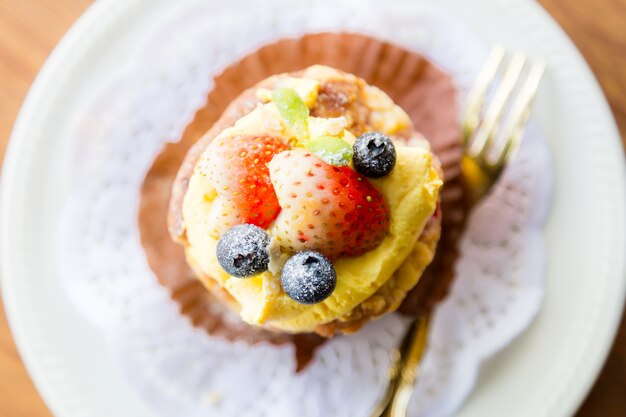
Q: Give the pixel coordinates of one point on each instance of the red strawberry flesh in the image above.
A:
(330, 209)
(237, 168)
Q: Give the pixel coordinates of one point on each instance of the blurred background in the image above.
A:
(29, 30)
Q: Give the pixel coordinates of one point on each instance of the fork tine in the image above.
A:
(476, 97)
(515, 125)
(487, 129)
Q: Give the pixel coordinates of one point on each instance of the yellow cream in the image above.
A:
(410, 190)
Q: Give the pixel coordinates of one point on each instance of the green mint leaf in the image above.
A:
(331, 150)
(293, 110)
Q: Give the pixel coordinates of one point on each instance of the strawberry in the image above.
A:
(326, 208)
(237, 168)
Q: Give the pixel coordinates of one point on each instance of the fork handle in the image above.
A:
(411, 352)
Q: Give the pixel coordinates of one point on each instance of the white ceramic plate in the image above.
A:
(546, 372)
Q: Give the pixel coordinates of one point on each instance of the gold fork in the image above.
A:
(491, 140)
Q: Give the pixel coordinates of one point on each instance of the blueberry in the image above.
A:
(242, 250)
(308, 277)
(374, 154)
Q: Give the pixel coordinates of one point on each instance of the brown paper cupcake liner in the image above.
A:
(426, 93)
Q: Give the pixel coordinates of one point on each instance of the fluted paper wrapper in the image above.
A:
(423, 90)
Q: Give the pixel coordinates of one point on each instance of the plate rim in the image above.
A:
(81, 37)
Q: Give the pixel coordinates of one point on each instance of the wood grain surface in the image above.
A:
(29, 29)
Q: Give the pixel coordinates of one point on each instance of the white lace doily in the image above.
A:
(181, 370)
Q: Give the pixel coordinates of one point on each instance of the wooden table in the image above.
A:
(29, 29)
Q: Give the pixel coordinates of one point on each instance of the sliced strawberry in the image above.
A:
(330, 209)
(237, 168)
